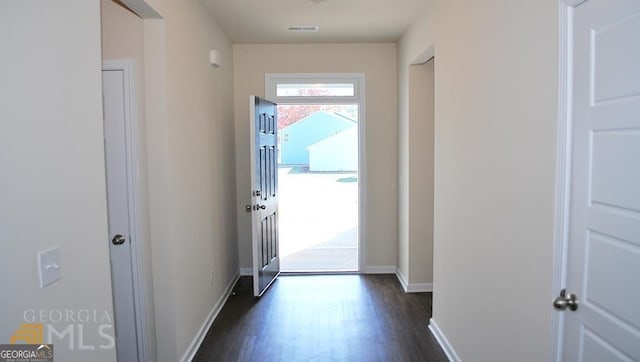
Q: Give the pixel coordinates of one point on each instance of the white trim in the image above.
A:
(213, 314)
(318, 272)
(563, 171)
(126, 66)
(443, 341)
(388, 269)
(425, 56)
(142, 9)
(271, 80)
(362, 175)
(571, 3)
(359, 79)
(402, 279)
(246, 272)
(420, 288)
(412, 287)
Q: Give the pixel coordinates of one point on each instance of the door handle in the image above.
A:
(118, 240)
(249, 208)
(564, 301)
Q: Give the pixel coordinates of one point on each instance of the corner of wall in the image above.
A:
(443, 341)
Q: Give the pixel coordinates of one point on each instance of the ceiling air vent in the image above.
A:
(304, 28)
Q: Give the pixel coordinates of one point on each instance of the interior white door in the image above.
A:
(264, 193)
(118, 194)
(603, 263)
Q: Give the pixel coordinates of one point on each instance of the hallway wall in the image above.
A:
(415, 170)
(123, 38)
(495, 160)
(191, 170)
(52, 177)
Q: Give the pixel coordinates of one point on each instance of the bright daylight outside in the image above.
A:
(318, 185)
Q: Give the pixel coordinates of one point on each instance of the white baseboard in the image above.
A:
(402, 279)
(246, 272)
(197, 340)
(420, 288)
(443, 341)
(412, 287)
(391, 269)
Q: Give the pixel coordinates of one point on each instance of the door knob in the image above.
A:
(118, 240)
(564, 301)
(261, 207)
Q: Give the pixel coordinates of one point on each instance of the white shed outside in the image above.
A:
(338, 152)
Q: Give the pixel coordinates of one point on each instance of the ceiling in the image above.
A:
(266, 21)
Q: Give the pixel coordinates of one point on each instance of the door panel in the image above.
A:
(604, 232)
(613, 153)
(597, 349)
(611, 259)
(613, 63)
(264, 192)
(118, 214)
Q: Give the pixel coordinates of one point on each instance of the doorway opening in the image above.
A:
(319, 186)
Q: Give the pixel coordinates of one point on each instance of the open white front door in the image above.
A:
(602, 297)
(264, 194)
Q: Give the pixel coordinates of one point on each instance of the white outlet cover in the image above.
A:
(49, 266)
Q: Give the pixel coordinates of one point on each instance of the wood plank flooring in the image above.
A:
(323, 318)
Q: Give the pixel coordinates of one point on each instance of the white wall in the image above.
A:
(191, 169)
(495, 136)
(123, 38)
(415, 240)
(52, 183)
(378, 62)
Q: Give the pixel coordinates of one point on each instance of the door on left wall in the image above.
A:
(119, 211)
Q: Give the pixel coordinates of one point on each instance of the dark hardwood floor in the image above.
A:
(323, 318)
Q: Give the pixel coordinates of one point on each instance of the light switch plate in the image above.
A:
(49, 266)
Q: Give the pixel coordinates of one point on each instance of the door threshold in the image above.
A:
(318, 272)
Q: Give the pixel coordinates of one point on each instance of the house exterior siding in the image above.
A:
(338, 152)
(297, 137)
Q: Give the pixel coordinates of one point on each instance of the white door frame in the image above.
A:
(359, 80)
(563, 170)
(131, 137)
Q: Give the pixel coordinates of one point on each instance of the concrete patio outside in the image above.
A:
(318, 219)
